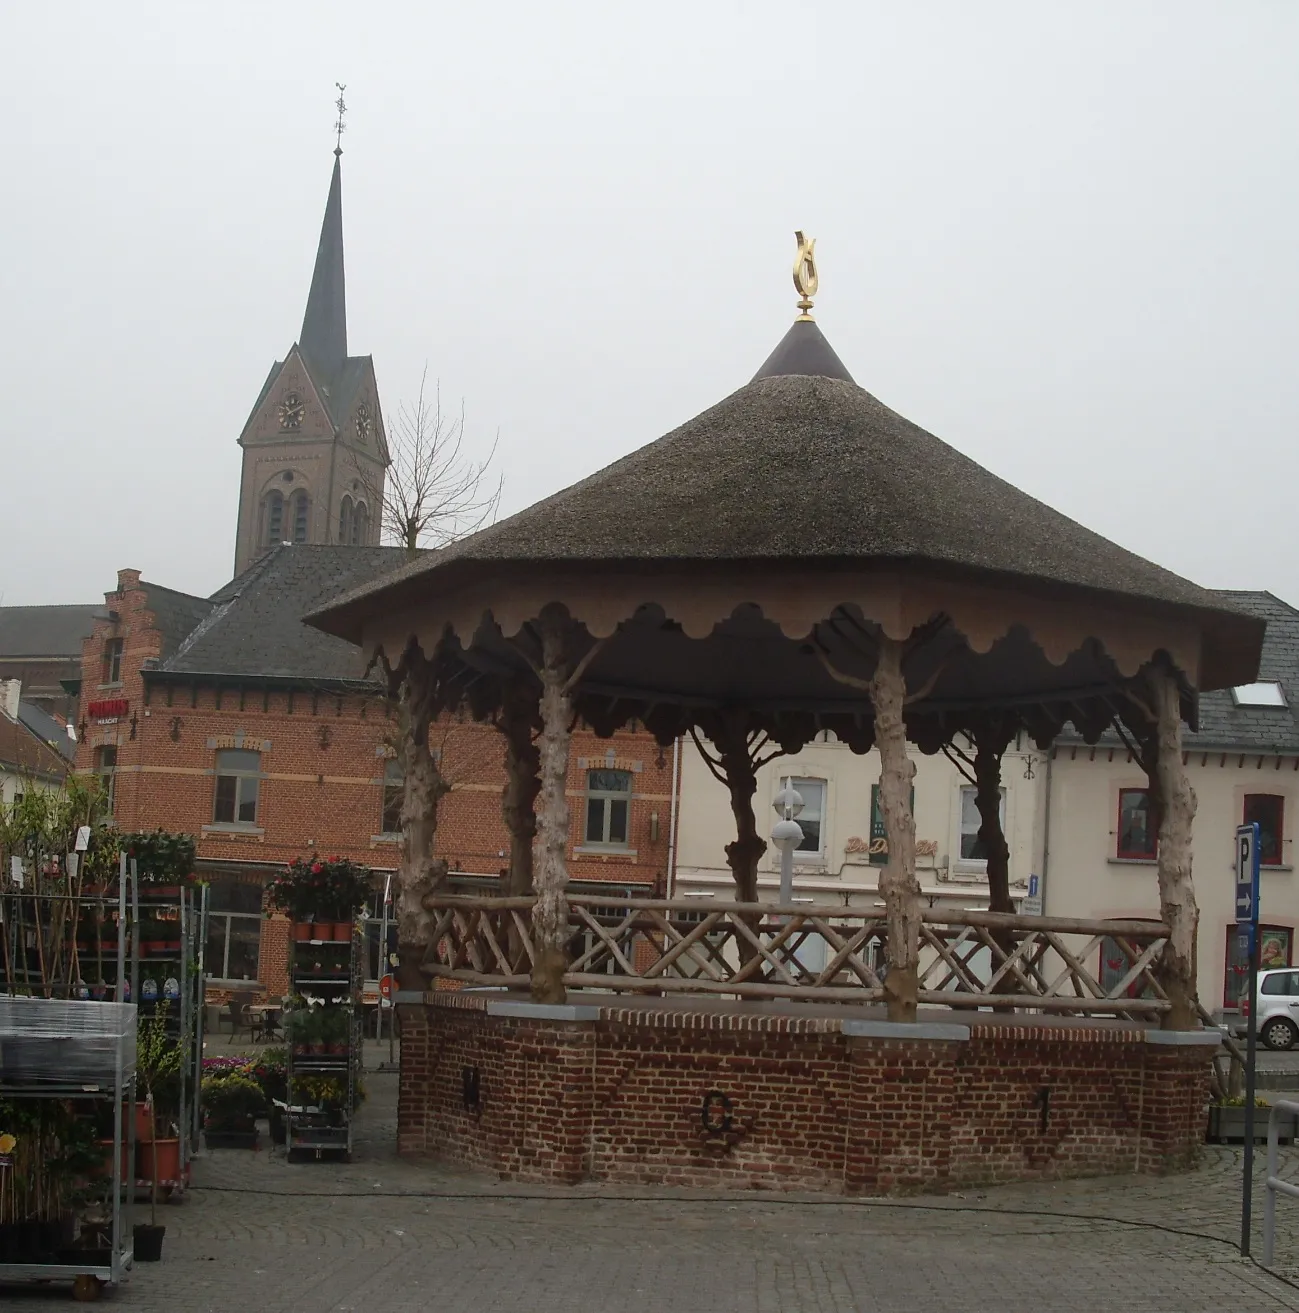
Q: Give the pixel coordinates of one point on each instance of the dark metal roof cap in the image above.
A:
(804, 350)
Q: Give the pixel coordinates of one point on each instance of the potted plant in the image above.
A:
(164, 861)
(270, 1071)
(303, 1029)
(326, 891)
(231, 1105)
(333, 1029)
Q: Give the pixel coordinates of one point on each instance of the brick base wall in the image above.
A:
(790, 1102)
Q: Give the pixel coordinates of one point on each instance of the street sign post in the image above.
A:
(1247, 928)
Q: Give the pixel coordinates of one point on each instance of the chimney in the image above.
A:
(11, 691)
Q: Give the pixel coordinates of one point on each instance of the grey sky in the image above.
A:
(1059, 235)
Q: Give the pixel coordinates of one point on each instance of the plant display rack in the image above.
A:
(169, 924)
(73, 1049)
(135, 941)
(331, 971)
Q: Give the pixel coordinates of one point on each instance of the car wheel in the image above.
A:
(1278, 1034)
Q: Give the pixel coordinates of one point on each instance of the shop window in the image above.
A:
(238, 775)
(812, 817)
(1138, 826)
(1275, 945)
(1268, 809)
(608, 808)
(1116, 962)
(879, 847)
(234, 930)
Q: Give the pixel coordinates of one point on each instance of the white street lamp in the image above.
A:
(787, 834)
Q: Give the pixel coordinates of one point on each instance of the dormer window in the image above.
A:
(1268, 693)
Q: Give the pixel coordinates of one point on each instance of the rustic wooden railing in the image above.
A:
(816, 953)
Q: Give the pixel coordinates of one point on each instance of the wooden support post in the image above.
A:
(1176, 970)
(550, 916)
(517, 721)
(899, 887)
(418, 872)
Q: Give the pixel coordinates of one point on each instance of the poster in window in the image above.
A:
(1275, 944)
(1273, 948)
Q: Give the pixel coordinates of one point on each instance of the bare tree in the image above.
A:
(434, 492)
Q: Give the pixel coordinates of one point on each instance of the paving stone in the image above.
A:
(384, 1235)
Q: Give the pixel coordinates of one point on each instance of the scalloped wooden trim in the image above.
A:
(796, 600)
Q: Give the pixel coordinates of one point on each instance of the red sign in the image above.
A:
(108, 709)
(385, 987)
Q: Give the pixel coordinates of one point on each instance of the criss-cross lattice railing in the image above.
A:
(818, 953)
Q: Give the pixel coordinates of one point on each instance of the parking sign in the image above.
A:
(1247, 881)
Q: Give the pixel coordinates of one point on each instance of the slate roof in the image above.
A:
(46, 631)
(50, 731)
(324, 326)
(804, 468)
(1225, 725)
(175, 614)
(253, 625)
(24, 753)
(323, 341)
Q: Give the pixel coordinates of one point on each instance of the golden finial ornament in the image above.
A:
(805, 279)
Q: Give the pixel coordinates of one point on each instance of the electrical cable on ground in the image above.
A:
(465, 1196)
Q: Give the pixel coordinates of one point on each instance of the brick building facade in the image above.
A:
(228, 719)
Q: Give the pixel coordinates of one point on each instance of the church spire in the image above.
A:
(324, 326)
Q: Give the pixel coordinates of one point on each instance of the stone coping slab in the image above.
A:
(861, 1021)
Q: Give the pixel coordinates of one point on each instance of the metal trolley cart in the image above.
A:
(72, 1050)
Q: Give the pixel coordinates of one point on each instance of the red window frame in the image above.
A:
(1272, 834)
(1153, 830)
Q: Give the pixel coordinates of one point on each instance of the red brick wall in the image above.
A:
(322, 790)
(621, 1100)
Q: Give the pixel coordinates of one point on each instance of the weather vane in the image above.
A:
(340, 127)
(805, 279)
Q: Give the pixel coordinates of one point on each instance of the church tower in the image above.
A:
(315, 456)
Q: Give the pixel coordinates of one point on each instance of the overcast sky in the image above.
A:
(1062, 236)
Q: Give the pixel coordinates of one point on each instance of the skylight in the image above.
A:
(1266, 694)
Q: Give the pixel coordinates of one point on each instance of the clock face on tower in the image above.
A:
(364, 422)
(292, 411)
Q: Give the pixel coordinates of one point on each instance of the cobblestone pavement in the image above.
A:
(390, 1236)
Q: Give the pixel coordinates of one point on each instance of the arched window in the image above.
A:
(274, 517)
(360, 525)
(345, 520)
(299, 506)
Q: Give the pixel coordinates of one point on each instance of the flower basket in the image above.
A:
(323, 890)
